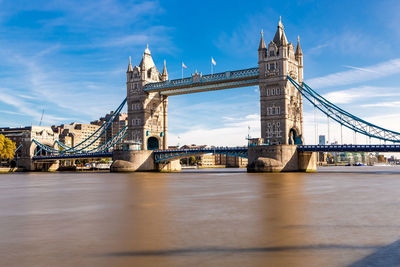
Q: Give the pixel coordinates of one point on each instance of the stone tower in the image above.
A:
(281, 104)
(147, 112)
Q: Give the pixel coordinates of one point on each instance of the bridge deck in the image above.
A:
(349, 148)
(74, 156)
(161, 155)
(210, 82)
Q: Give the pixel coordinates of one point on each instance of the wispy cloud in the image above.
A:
(359, 94)
(392, 104)
(357, 75)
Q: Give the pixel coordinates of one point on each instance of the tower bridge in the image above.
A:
(279, 75)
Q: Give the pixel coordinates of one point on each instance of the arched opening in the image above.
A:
(294, 138)
(152, 143)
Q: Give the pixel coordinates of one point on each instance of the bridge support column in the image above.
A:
(141, 160)
(280, 158)
(26, 163)
(307, 161)
(172, 166)
(133, 160)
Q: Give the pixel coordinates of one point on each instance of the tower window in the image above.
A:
(272, 66)
(271, 53)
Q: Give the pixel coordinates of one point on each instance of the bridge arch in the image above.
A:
(153, 143)
(294, 137)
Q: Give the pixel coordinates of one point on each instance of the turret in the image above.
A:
(262, 48)
(129, 71)
(148, 68)
(299, 52)
(280, 39)
(164, 75)
(299, 58)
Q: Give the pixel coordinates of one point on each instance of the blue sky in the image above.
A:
(70, 58)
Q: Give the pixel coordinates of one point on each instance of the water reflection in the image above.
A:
(197, 218)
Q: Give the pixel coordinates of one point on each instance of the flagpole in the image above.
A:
(182, 71)
(211, 67)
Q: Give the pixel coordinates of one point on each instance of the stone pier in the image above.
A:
(140, 160)
(280, 158)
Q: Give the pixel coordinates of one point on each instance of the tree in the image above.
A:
(192, 160)
(7, 148)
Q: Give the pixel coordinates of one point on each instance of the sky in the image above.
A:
(69, 58)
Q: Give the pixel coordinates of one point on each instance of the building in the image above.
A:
(281, 103)
(23, 136)
(207, 160)
(116, 126)
(147, 112)
(321, 140)
(230, 161)
(73, 134)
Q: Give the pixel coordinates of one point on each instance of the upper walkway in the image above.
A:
(209, 82)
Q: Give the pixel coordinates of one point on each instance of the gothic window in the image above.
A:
(271, 53)
(273, 91)
(272, 66)
(267, 92)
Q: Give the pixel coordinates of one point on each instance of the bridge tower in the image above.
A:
(281, 108)
(281, 103)
(147, 112)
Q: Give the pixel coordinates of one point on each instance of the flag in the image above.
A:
(183, 65)
(213, 61)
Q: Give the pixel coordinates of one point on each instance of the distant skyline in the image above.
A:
(69, 58)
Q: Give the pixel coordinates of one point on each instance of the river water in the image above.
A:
(222, 217)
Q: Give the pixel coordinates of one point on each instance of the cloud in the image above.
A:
(90, 14)
(361, 93)
(393, 104)
(357, 75)
(24, 107)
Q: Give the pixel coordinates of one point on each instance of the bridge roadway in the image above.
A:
(164, 155)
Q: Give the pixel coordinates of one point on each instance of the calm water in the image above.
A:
(203, 218)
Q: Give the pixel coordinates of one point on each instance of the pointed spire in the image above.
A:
(284, 41)
(164, 72)
(147, 61)
(262, 43)
(280, 22)
(280, 34)
(147, 50)
(299, 52)
(130, 69)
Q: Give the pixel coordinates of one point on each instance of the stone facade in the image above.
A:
(281, 103)
(23, 136)
(147, 112)
(74, 133)
(116, 126)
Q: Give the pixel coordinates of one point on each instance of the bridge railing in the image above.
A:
(161, 156)
(229, 75)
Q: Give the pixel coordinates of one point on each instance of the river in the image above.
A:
(340, 216)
